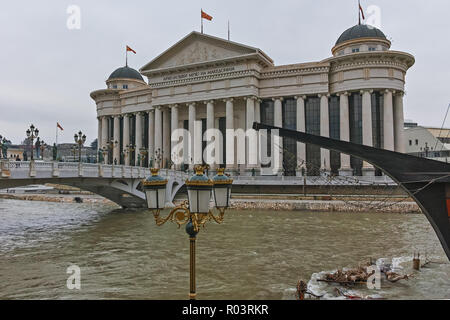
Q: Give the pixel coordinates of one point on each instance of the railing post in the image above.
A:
(100, 170)
(80, 169)
(32, 168)
(6, 173)
(55, 169)
(123, 171)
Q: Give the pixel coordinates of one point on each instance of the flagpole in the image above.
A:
(201, 20)
(359, 12)
(126, 57)
(56, 141)
(228, 30)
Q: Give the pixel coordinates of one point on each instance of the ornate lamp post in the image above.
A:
(80, 139)
(158, 157)
(196, 212)
(104, 151)
(111, 145)
(32, 133)
(143, 152)
(129, 150)
(74, 152)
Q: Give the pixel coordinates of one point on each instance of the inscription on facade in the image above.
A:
(198, 74)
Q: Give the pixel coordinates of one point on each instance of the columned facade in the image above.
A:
(203, 83)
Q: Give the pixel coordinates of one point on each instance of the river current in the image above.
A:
(252, 255)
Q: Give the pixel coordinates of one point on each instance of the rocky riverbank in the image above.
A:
(275, 204)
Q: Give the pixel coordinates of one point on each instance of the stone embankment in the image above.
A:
(327, 206)
(56, 198)
(249, 203)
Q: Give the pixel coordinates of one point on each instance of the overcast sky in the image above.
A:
(47, 71)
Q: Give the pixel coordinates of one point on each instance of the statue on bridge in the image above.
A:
(5, 151)
(100, 157)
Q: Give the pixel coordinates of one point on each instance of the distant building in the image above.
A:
(15, 151)
(428, 142)
(68, 152)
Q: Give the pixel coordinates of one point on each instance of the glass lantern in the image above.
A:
(155, 190)
(222, 189)
(199, 188)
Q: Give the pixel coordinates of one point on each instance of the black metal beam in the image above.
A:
(423, 179)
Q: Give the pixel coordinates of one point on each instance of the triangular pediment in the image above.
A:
(199, 48)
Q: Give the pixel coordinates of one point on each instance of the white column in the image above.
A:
(158, 137)
(258, 119)
(229, 114)
(138, 135)
(258, 110)
(99, 137)
(192, 119)
(166, 136)
(209, 126)
(105, 136)
(218, 144)
(173, 127)
(126, 138)
(367, 139)
(324, 131)
(151, 137)
(252, 144)
(301, 126)
(388, 121)
(116, 150)
(345, 169)
(278, 141)
(399, 123)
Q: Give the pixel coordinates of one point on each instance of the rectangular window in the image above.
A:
(312, 117)
(372, 49)
(355, 119)
(417, 142)
(410, 142)
(289, 115)
(125, 86)
(355, 50)
(267, 117)
(335, 125)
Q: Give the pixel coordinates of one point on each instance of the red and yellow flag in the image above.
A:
(59, 126)
(129, 49)
(206, 16)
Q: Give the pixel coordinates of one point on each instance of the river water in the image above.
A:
(252, 255)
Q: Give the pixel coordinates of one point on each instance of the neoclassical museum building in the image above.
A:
(355, 95)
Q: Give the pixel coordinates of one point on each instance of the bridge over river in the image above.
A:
(122, 184)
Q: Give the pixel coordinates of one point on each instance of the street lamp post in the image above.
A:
(104, 151)
(32, 133)
(195, 212)
(111, 145)
(129, 150)
(158, 157)
(143, 152)
(80, 139)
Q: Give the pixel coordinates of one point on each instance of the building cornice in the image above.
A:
(399, 59)
(359, 41)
